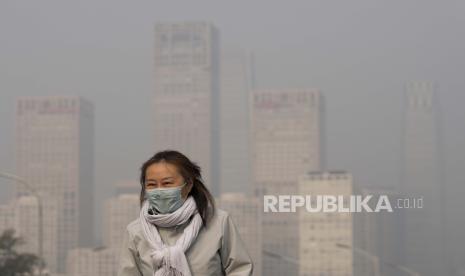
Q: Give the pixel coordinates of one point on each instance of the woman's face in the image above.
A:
(165, 175)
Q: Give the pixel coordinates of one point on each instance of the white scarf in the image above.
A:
(171, 260)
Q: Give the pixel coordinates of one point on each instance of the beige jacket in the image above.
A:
(218, 249)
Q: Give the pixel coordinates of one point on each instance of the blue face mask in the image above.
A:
(165, 200)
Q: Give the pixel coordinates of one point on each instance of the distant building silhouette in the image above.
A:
(287, 130)
(326, 239)
(379, 234)
(186, 96)
(54, 154)
(99, 261)
(424, 238)
(119, 211)
(245, 211)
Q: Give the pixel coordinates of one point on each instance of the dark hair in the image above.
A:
(191, 172)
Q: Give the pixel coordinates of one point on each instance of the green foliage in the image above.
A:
(13, 263)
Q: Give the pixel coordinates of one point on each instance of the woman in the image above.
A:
(179, 231)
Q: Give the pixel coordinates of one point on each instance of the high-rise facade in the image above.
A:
(54, 154)
(286, 135)
(119, 211)
(26, 224)
(424, 235)
(7, 216)
(245, 211)
(186, 96)
(99, 261)
(21, 215)
(380, 235)
(326, 238)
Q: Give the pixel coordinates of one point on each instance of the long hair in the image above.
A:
(191, 172)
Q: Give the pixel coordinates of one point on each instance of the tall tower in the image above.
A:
(245, 212)
(326, 239)
(7, 216)
(379, 234)
(422, 177)
(119, 212)
(100, 261)
(286, 143)
(186, 97)
(26, 224)
(54, 154)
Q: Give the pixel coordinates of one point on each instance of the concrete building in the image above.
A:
(54, 154)
(119, 211)
(286, 135)
(7, 216)
(245, 212)
(186, 96)
(26, 224)
(422, 177)
(379, 234)
(326, 242)
(92, 262)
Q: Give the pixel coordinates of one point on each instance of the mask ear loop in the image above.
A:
(186, 184)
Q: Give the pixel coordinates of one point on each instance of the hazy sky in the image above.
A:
(359, 53)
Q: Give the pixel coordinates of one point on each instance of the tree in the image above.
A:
(13, 263)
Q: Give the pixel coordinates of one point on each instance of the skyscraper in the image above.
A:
(21, 215)
(326, 238)
(54, 154)
(245, 211)
(99, 261)
(186, 97)
(27, 226)
(7, 216)
(286, 143)
(379, 234)
(119, 211)
(422, 178)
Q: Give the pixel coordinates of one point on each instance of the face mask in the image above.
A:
(165, 200)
